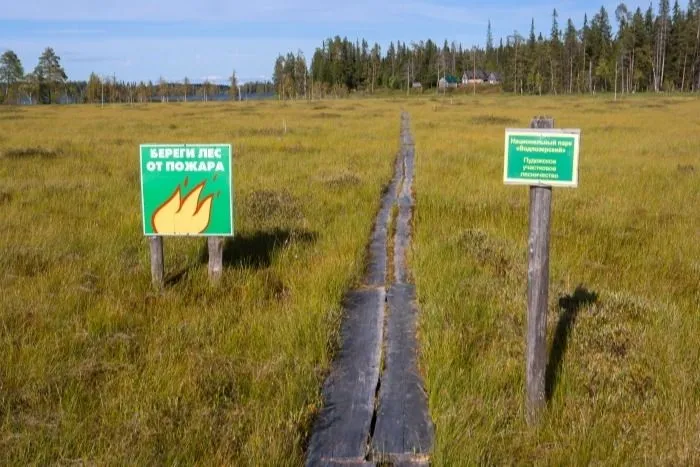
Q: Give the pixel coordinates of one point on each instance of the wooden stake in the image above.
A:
(216, 258)
(537, 291)
(157, 262)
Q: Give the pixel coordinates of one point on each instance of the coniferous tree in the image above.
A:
(50, 76)
(555, 49)
(647, 52)
(94, 84)
(11, 73)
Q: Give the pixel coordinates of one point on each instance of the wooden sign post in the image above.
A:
(537, 291)
(215, 246)
(157, 262)
(540, 157)
(187, 190)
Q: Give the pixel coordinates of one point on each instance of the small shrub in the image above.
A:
(341, 180)
(243, 132)
(327, 115)
(5, 197)
(264, 206)
(28, 152)
(26, 262)
(493, 120)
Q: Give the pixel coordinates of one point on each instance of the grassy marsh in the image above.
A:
(97, 368)
(624, 285)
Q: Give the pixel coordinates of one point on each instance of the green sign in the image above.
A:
(187, 189)
(541, 157)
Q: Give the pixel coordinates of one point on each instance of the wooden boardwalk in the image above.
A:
(375, 408)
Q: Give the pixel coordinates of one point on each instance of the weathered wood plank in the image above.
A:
(342, 429)
(377, 261)
(345, 463)
(402, 239)
(403, 425)
(403, 432)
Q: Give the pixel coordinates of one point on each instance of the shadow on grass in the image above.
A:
(257, 249)
(176, 277)
(570, 306)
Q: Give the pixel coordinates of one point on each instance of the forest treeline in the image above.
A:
(48, 83)
(650, 51)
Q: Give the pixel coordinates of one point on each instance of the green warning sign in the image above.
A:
(541, 157)
(187, 189)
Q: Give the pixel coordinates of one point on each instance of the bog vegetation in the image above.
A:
(95, 366)
(98, 368)
(622, 386)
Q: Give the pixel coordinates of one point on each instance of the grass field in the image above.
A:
(624, 312)
(98, 368)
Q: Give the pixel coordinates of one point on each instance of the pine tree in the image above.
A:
(94, 88)
(695, 72)
(624, 46)
(11, 72)
(570, 47)
(50, 75)
(554, 53)
(661, 38)
(489, 39)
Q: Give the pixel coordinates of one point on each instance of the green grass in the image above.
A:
(98, 368)
(624, 284)
(95, 366)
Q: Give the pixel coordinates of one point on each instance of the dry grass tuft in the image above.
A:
(29, 152)
(341, 180)
(493, 120)
(264, 206)
(326, 115)
(5, 197)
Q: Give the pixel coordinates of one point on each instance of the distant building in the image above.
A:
(494, 78)
(480, 76)
(416, 85)
(448, 81)
(473, 77)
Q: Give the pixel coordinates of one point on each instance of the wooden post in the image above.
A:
(216, 258)
(537, 291)
(157, 262)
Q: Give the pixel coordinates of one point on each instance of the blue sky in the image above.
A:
(145, 39)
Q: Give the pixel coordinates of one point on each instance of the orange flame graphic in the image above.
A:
(183, 216)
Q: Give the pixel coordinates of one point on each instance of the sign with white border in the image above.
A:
(546, 157)
(187, 189)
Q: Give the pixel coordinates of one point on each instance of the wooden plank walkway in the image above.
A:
(371, 417)
(342, 429)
